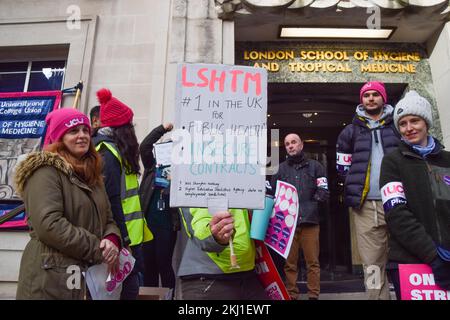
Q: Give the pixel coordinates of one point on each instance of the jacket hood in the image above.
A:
(101, 138)
(387, 111)
(36, 160)
(361, 116)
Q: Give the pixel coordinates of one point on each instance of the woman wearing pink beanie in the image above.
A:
(68, 211)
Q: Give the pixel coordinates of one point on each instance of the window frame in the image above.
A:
(28, 72)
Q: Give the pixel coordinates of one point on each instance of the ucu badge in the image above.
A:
(392, 194)
(121, 274)
(74, 122)
(322, 182)
(343, 159)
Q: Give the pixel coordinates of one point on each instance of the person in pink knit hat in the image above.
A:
(117, 143)
(360, 149)
(68, 211)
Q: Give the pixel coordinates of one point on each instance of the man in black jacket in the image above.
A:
(309, 178)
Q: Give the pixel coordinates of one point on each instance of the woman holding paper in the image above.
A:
(163, 220)
(117, 143)
(416, 194)
(68, 212)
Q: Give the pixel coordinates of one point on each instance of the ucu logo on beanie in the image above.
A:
(74, 122)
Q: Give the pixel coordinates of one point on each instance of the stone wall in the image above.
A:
(120, 44)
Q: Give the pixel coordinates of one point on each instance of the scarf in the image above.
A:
(422, 151)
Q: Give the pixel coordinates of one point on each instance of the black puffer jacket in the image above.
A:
(418, 218)
(147, 185)
(355, 145)
(302, 173)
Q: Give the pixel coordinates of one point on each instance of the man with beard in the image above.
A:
(360, 149)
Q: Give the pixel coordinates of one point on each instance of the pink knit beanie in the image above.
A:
(374, 85)
(113, 113)
(61, 120)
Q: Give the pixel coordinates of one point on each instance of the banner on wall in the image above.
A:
(22, 130)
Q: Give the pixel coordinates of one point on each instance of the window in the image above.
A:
(30, 76)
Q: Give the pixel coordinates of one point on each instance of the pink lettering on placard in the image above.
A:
(255, 78)
(184, 82)
(215, 80)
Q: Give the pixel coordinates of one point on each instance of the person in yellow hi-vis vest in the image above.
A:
(117, 143)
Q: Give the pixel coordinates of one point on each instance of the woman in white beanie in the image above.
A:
(416, 194)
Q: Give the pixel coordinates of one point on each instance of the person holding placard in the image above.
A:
(415, 181)
(309, 178)
(206, 270)
(68, 211)
(163, 220)
(117, 143)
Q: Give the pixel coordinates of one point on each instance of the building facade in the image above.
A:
(133, 47)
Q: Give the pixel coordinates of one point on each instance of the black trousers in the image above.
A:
(158, 258)
(248, 288)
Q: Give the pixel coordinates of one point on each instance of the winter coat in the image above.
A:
(354, 147)
(67, 219)
(303, 176)
(147, 185)
(416, 199)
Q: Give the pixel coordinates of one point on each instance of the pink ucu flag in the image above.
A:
(392, 194)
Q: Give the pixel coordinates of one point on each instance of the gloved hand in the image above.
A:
(322, 195)
(441, 271)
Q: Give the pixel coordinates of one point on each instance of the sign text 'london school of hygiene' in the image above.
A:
(220, 142)
(334, 61)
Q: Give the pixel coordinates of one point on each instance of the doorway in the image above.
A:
(318, 112)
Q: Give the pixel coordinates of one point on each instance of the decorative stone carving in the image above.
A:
(228, 9)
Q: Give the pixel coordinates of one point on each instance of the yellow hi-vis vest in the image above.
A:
(137, 228)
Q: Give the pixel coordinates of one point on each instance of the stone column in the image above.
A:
(196, 35)
(440, 70)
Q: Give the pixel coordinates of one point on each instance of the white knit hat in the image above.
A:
(413, 104)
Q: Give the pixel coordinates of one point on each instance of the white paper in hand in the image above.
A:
(103, 285)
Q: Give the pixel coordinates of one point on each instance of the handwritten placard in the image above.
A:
(220, 136)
